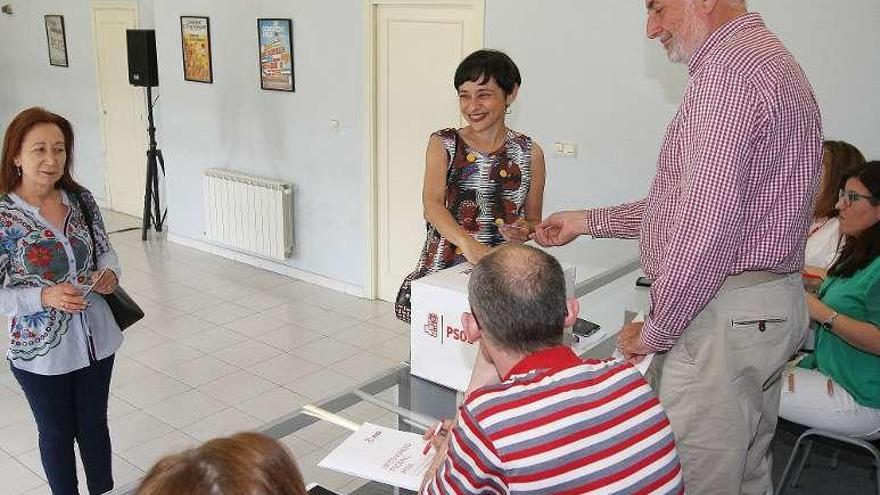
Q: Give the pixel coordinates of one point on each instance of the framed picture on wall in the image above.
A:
(275, 38)
(55, 37)
(195, 40)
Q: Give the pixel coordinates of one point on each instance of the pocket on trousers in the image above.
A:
(761, 323)
(753, 332)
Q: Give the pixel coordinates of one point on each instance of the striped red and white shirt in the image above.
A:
(736, 178)
(561, 425)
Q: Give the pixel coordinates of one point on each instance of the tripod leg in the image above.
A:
(161, 160)
(156, 207)
(148, 193)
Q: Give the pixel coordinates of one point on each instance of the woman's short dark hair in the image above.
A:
(483, 65)
(842, 159)
(860, 251)
(243, 464)
(14, 139)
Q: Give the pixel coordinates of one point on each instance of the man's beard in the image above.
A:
(691, 36)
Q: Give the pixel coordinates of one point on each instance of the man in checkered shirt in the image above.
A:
(721, 234)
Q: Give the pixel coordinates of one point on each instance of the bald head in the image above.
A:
(518, 297)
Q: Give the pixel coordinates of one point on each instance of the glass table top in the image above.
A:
(397, 399)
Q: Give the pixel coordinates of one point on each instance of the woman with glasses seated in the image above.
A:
(824, 241)
(837, 388)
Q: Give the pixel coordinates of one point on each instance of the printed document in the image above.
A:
(382, 454)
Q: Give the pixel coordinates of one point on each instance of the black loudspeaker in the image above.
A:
(142, 67)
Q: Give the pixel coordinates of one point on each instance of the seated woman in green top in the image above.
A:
(837, 388)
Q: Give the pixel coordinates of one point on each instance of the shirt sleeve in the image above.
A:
(16, 301)
(871, 296)
(621, 221)
(471, 466)
(721, 125)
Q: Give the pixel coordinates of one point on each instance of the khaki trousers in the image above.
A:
(720, 383)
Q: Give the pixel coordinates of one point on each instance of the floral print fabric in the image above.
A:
(34, 255)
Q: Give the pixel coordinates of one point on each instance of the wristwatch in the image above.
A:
(830, 320)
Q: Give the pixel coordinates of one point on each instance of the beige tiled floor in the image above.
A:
(224, 347)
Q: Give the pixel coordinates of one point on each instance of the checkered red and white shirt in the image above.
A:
(736, 177)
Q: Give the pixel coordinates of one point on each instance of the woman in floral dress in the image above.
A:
(484, 183)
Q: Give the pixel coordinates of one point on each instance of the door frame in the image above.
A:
(371, 249)
(94, 6)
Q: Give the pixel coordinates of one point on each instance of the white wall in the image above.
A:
(590, 77)
(27, 79)
(232, 123)
(837, 45)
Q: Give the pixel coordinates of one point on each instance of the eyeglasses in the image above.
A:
(474, 314)
(849, 197)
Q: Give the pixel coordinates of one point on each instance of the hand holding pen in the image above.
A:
(438, 437)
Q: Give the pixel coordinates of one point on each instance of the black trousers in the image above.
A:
(67, 408)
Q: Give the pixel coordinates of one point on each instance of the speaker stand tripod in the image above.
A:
(153, 216)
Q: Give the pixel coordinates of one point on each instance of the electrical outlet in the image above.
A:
(565, 149)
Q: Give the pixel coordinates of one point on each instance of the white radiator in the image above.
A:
(248, 213)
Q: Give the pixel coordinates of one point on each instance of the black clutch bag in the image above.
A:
(125, 311)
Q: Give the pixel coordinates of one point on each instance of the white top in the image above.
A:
(823, 243)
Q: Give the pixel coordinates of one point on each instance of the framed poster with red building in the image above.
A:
(276, 54)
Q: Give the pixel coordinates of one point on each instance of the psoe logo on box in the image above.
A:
(457, 334)
(430, 328)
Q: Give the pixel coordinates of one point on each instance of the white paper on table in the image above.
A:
(381, 454)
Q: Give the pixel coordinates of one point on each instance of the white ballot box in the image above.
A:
(439, 349)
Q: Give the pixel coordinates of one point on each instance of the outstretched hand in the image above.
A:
(561, 228)
(516, 232)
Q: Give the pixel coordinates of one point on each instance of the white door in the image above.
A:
(418, 48)
(122, 108)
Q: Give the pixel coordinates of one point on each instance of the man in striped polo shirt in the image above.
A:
(555, 424)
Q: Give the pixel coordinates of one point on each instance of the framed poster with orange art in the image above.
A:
(195, 37)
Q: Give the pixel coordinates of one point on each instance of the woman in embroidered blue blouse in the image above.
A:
(62, 343)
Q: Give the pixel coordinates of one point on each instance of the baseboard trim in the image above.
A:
(272, 266)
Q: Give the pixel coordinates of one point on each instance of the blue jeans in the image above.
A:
(69, 407)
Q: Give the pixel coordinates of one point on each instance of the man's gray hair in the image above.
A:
(517, 294)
